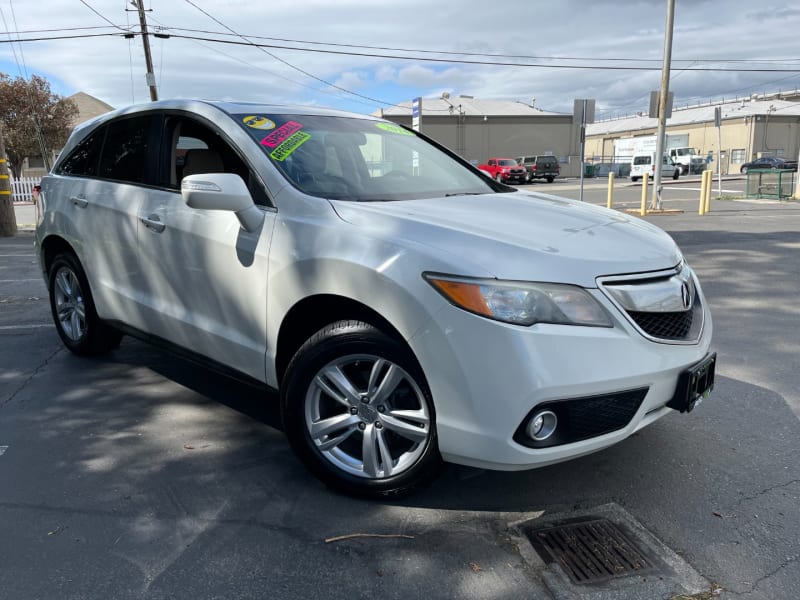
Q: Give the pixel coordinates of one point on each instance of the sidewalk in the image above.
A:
(26, 216)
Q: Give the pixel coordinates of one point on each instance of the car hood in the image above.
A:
(521, 236)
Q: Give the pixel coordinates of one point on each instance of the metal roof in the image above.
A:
(697, 114)
(466, 105)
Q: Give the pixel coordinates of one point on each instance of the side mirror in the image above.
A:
(222, 191)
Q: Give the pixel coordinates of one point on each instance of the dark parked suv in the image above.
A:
(540, 167)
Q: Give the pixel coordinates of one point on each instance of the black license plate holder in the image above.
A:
(694, 384)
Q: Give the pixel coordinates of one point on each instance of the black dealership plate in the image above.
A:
(694, 384)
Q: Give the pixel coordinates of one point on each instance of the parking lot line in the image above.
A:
(32, 326)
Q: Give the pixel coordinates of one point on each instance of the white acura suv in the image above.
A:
(408, 309)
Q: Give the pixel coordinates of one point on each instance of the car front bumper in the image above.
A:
(487, 377)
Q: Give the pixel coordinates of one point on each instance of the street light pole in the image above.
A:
(151, 77)
(662, 104)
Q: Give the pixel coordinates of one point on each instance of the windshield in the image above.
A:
(507, 162)
(361, 159)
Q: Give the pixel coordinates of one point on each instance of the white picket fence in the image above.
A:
(23, 188)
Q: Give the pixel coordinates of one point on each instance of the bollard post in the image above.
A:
(701, 210)
(610, 200)
(707, 206)
(643, 210)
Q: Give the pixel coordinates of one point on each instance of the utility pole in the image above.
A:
(662, 104)
(8, 219)
(151, 78)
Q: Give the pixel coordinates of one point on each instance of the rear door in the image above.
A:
(105, 180)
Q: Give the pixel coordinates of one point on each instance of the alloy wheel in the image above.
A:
(367, 416)
(69, 304)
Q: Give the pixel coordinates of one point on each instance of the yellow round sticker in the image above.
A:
(258, 122)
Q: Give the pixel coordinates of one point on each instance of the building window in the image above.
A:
(737, 156)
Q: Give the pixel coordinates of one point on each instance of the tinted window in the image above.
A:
(84, 158)
(125, 150)
(548, 160)
(641, 160)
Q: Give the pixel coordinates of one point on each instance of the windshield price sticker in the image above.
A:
(290, 145)
(394, 129)
(274, 139)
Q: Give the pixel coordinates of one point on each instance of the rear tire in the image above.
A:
(676, 173)
(359, 414)
(74, 314)
(550, 179)
(634, 179)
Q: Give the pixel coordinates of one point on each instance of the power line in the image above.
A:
(287, 63)
(260, 68)
(91, 8)
(396, 57)
(471, 62)
(488, 54)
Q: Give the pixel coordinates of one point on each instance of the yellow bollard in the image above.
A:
(610, 200)
(643, 210)
(707, 206)
(701, 210)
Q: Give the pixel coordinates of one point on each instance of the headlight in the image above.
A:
(521, 303)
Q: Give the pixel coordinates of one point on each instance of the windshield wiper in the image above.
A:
(466, 194)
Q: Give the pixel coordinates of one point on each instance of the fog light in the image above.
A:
(542, 425)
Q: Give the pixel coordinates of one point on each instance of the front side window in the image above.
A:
(361, 159)
(125, 150)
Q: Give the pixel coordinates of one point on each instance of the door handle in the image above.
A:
(79, 201)
(153, 223)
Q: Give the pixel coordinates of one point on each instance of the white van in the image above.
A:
(645, 163)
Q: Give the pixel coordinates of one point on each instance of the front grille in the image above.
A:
(667, 326)
(584, 418)
(656, 305)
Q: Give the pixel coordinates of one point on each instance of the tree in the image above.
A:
(23, 104)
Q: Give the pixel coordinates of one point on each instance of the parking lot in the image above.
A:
(140, 475)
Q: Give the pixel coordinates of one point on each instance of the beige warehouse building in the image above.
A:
(478, 129)
(750, 129)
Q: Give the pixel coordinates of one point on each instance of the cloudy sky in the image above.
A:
(448, 46)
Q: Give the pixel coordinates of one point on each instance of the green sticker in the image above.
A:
(391, 128)
(289, 145)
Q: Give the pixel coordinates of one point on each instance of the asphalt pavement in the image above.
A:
(139, 475)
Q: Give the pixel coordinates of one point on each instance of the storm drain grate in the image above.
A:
(590, 551)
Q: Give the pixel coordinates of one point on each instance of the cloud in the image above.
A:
(112, 68)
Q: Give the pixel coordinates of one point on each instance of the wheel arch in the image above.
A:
(311, 314)
(52, 246)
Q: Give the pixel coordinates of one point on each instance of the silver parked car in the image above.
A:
(409, 310)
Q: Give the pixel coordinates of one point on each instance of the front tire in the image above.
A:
(74, 314)
(676, 173)
(498, 178)
(359, 414)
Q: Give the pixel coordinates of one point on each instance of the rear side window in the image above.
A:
(125, 152)
(83, 160)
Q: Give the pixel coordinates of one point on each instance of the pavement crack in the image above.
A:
(789, 560)
(30, 377)
(767, 490)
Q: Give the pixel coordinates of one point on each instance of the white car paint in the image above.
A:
(208, 285)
